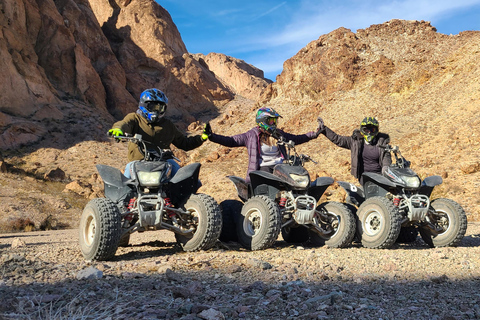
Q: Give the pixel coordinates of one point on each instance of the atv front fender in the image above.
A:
(116, 185)
(242, 187)
(318, 187)
(355, 194)
(184, 183)
(429, 183)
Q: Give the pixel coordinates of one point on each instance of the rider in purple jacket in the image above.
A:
(263, 153)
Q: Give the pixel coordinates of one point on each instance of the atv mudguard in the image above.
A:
(184, 183)
(116, 185)
(376, 185)
(318, 187)
(243, 188)
(429, 183)
(355, 194)
(265, 183)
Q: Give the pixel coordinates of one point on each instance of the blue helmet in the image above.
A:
(153, 104)
(266, 119)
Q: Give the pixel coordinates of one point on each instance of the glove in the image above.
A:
(277, 136)
(207, 132)
(320, 128)
(115, 132)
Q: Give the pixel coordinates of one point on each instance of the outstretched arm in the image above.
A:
(238, 140)
(341, 141)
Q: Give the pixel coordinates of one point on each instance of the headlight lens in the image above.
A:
(149, 179)
(411, 182)
(301, 181)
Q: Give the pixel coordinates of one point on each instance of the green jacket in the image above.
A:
(161, 133)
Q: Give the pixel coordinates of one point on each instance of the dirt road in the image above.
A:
(44, 276)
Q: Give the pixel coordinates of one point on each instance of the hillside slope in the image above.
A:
(424, 88)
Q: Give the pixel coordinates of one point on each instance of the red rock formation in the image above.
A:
(70, 59)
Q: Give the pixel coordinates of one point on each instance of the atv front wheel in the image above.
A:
(100, 229)
(231, 210)
(451, 217)
(379, 223)
(340, 221)
(207, 221)
(260, 223)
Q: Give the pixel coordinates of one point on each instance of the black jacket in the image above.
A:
(355, 144)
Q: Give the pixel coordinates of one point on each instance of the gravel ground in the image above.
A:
(44, 276)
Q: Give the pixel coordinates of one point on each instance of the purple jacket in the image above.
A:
(251, 140)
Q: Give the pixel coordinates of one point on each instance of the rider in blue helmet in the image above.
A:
(153, 104)
(151, 123)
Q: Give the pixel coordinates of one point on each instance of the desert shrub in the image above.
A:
(20, 224)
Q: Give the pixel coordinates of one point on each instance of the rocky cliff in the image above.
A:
(67, 61)
(83, 64)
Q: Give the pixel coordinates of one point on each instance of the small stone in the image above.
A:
(211, 314)
(89, 273)
(17, 243)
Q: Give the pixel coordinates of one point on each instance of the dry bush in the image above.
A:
(19, 224)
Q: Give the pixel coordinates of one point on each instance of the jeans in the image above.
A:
(175, 167)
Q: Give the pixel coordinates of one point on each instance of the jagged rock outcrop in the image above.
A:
(243, 78)
(68, 59)
(385, 58)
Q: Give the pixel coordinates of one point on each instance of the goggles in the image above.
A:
(369, 129)
(271, 121)
(155, 106)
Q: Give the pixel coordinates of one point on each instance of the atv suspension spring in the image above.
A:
(282, 202)
(396, 201)
(168, 204)
(130, 206)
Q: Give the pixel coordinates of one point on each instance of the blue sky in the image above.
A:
(266, 33)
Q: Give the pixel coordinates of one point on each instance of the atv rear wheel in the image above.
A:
(296, 234)
(207, 220)
(379, 223)
(100, 229)
(341, 222)
(231, 210)
(259, 224)
(452, 219)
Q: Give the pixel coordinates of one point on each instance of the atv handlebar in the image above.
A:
(399, 159)
(154, 153)
(295, 158)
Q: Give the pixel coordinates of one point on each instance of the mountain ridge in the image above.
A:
(424, 87)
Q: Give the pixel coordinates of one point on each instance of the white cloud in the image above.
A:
(269, 11)
(314, 18)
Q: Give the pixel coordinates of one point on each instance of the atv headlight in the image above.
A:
(301, 181)
(149, 179)
(411, 182)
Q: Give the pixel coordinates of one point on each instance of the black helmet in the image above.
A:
(266, 119)
(153, 104)
(369, 128)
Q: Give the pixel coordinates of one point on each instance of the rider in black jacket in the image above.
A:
(365, 145)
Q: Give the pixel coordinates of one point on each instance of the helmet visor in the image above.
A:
(271, 121)
(155, 106)
(369, 129)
